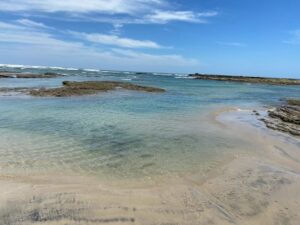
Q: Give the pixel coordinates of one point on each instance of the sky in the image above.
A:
(245, 37)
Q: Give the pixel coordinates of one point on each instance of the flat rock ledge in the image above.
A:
(88, 88)
(285, 118)
(28, 75)
(245, 79)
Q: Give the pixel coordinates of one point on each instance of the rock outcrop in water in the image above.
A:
(285, 118)
(244, 79)
(90, 87)
(28, 75)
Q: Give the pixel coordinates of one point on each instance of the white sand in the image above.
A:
(262, 188)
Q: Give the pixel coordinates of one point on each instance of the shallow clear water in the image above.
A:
(123, 133)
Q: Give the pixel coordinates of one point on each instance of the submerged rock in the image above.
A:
(256, 113)
(89, 87)
(245, 79)
(53, 74)
(294, 102)
(28, 75)
(285, 118)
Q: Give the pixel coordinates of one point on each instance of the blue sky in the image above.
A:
(209, 36)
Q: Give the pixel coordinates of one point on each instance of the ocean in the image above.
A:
(126, 134)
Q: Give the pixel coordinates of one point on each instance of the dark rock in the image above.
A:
(143, 73)
(7, 75)
(35, 216)
(53, 74)
(285, 118)
(28, 75)
(90, 87)
(256, 113)
(294, 102)
(18, 89)
(245, 79)
(287, 113)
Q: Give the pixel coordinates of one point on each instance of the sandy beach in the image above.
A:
(149, 112)
(260, 188)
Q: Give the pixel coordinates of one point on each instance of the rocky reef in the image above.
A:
(285, 118)
(89, 87)
(245, 79)
(6, 74)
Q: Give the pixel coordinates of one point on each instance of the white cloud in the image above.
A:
(30, 23)
(154, 60)
(109, 11)
(4, 25)
(79, 6)
(114, 40)
(117, 29)
(186, 16)
(23, 45)
(26, 35)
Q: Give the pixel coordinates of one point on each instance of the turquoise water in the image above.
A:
(123, 133)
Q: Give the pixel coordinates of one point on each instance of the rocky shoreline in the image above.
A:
(71, 88)
(6, 74)
(245, 79)
(285, 118)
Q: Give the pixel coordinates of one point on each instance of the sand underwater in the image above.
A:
(195, 154)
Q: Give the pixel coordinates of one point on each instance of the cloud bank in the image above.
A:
(28, 40)
(115, 40)
(109, 11)
(29, 43)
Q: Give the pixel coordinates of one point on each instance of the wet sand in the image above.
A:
(260, 188)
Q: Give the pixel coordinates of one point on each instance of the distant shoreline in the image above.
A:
(246, 79)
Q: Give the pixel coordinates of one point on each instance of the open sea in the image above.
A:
(124, 134)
